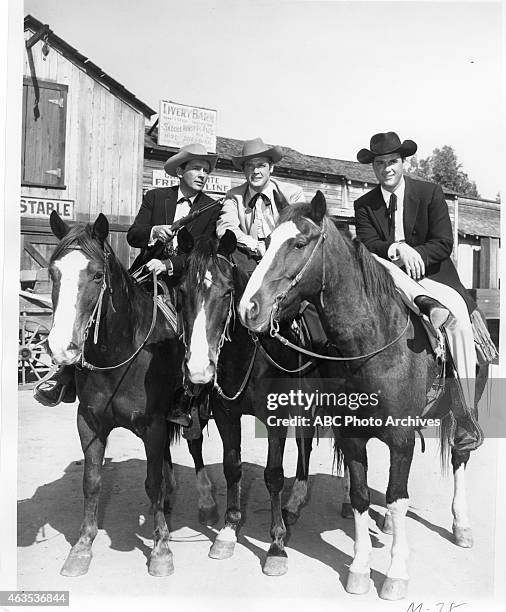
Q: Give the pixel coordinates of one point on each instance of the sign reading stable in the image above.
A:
(43, 207)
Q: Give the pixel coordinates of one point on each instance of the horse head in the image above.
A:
(291, 269)
(207, 300)
(77, 270)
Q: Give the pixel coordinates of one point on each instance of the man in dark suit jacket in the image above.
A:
(405, 224)
(151, 230)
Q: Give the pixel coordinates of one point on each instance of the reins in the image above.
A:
(274, 321)
(96, 316)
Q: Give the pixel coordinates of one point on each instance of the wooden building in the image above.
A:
(82, 147)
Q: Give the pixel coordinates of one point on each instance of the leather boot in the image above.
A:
(180, 411)
(59, 388)
(434, 310)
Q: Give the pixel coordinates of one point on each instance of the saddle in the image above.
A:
(164, 295)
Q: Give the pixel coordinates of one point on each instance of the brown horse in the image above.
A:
(383, 349)
(127, 359)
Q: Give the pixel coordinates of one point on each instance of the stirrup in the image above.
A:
(41, 390)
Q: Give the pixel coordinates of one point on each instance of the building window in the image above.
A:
(43, 146)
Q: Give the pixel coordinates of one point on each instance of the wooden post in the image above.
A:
(455, 252)
(489, 259)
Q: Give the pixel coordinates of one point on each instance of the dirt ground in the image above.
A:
(319, 547)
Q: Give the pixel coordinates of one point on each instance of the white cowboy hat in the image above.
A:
(256, 148)
(188, 152)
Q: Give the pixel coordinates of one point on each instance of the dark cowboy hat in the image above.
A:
(256, 148)
(186, 153)
(383, 144)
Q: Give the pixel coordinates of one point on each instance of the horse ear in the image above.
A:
(228, 243)
(58, 225)
(185, 241)
(318, 207)
(280, 200)
(101, 227)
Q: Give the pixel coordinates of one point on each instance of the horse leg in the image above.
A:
(155, 440)
(358, 581)
(276, 563)
(208, 510)
(169, 481)
(93, 445)
(395, 585)
(230, 431)
(299, 494)
(461, 525)
(346, 509)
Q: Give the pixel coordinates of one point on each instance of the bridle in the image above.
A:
(96, 314)
(274, 318)
(225, 337)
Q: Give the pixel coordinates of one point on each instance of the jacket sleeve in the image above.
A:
(139, 233)
(368, 234)
(439, 243)
(229, 219)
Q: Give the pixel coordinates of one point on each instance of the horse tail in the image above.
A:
(446, 433)
(174, 433)
(338, 460)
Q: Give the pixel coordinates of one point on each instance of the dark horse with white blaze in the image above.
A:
(384, 349)
(127, 358)
(221, 352)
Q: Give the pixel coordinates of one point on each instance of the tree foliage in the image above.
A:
(443, 167)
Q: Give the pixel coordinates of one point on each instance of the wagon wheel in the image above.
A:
(34, 361)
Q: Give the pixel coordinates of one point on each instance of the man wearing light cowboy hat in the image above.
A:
(405, 223)
(151, 230)
(250, 210)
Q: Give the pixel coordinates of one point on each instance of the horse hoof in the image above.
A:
(346, 510)
(161, 565)
(275, 565)
(394, 589)
(388, 526)
(289, 517)
(208, 515)
(463, 537)
(357, 583)
(221, 549)
(76, 564)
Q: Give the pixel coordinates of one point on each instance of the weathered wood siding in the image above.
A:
(104, 144)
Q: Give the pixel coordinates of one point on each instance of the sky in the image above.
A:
(320, 77)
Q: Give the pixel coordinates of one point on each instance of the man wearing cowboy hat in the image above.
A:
(151, 230)
(250, 210)
(405, 223)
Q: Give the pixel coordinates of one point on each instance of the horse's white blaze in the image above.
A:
(400, 550)
(208, 279)
(363, 546)
(199, 365)
(279, 236)
(60, 337)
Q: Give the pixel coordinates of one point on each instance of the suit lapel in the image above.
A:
(170, 205)
(379, 213)
(410, 208)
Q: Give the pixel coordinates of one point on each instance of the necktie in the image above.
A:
(392, 207)
(262, 229)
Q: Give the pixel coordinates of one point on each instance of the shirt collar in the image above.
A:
(181, 195)
(399, 192)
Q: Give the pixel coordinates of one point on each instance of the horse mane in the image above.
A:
(205, 248)
(377, 281)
